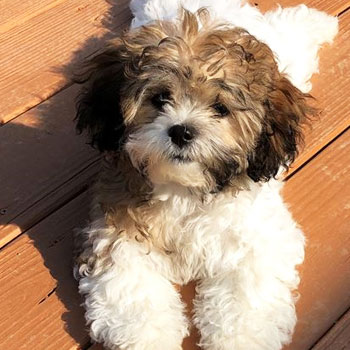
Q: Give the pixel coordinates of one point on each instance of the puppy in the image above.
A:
(194, 120)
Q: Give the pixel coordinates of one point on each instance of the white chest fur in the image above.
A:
(209, 238)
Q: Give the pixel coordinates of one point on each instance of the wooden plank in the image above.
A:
(40, 305)
(338, 337)
(16, 12)
(43, 162)
(320, 202)
(36, 55)
(48, 203)
(333, 7)
(331, 90)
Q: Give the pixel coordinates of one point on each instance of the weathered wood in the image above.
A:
(35, 53)
(39, 303)
(338, 337)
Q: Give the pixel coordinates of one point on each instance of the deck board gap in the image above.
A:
(343, 11)
(85, 188)
(62, 88)
(296, 170)
(62, 185)
(330, 329)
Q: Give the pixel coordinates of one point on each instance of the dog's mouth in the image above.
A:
(181, 158)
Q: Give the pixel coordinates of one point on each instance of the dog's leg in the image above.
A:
(131, 305)
(250, 306)
(244, 311)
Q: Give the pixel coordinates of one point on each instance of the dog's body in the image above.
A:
(195, 120)
(243, 250)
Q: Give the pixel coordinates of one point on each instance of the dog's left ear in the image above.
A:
(286, 110)
(99, 109)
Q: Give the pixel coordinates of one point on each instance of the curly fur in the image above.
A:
(200, 205)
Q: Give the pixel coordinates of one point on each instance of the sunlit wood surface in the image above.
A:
(46, 168)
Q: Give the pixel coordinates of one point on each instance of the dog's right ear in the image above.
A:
(99, 103)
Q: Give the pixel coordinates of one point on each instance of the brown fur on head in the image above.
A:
(241, 116)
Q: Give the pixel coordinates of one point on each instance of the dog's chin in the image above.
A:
(177, 169)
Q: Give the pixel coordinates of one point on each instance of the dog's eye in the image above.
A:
(221, 109)
(160, 99)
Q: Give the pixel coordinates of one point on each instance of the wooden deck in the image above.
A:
(45, 171)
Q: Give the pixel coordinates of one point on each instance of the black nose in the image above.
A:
(180, 134)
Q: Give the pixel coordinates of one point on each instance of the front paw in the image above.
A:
(139, 336)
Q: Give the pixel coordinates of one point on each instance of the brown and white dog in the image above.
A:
(195, 120)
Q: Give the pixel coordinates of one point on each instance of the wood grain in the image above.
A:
(44, 164)
(40, 305)
(331, 90)
(338, 338)
(320, 201)
(35, 54)
(16, 12)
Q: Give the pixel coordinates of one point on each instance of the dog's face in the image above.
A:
(203, 108)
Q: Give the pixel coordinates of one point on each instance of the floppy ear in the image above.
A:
(111, 97)
(286, 110)
(99, 103)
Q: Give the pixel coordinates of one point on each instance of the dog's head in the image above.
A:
(193, 103)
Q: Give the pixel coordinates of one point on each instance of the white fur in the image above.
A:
(294, 34)
(131, 306)
(244, 249)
